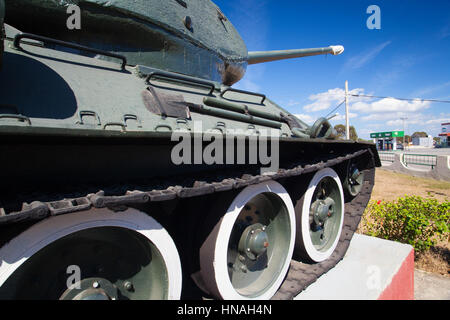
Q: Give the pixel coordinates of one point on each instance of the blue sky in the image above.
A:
(409, 57)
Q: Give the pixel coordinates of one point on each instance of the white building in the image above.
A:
(426, 142)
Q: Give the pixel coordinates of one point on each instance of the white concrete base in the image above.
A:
(440, 172)
(371, 269)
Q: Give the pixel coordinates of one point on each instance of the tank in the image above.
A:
(133, 169)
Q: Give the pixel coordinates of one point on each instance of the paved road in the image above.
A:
(430, 286)
(437, 151)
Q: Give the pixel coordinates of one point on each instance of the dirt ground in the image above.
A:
(391, 186)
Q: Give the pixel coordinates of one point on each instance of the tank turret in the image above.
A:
(192, 38)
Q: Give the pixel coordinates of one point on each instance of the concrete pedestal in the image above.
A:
(371, 269)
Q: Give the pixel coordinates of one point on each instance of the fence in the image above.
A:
(405, 162)
(387, 156)
(420, 159)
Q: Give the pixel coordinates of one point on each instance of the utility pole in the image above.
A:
(404, 133)
(347, 125)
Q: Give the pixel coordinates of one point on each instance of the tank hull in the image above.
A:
(47, 161)
(76, 175)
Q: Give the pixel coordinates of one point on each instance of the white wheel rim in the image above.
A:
(29, 242)
(223, 283)
(308, 246)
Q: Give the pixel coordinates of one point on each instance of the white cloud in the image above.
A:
(306, 118)
(365, 131)
(374, 114)
(328, 99)
(385, 107)
(377, 117)
(332, 97)
(438, 120)
(415, 122)
(397, 122)
(341, 117)
(394, 118)
(390, 105)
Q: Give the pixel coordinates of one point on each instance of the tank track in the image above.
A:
(300, 275)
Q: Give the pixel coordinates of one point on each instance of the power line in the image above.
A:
(340, 104)
(404, 99)
(381, 97)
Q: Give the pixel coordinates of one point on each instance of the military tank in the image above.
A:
(133, 169)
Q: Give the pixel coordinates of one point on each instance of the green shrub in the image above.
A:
(418, 221)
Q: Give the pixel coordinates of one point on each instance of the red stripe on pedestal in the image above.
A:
(402, 284)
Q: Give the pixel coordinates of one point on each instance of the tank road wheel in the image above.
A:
(248, 253)
(354, 180)
(320, 215)
(95, 255)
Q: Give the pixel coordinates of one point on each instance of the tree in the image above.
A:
(419, 134)
(408, 139)
(340, 129)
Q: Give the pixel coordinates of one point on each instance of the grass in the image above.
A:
(440, 185)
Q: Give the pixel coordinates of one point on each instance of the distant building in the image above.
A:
(426, 142)
(386, 141)
(445, 134)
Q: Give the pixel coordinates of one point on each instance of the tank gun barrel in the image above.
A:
(255, 57)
